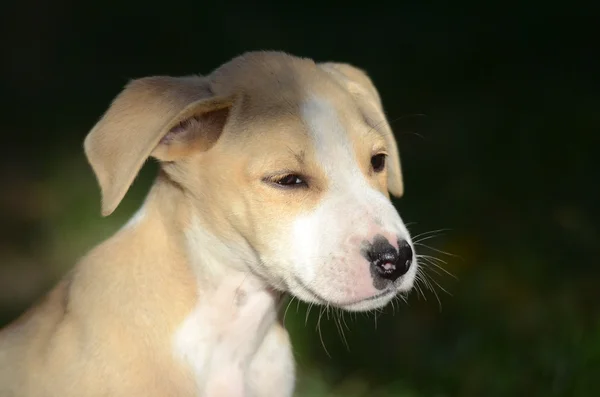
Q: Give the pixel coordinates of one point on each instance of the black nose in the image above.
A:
(388, 262)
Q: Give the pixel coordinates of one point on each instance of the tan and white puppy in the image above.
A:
(275, 172)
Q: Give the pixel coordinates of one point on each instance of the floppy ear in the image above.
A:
(362, 88)
(152, 115)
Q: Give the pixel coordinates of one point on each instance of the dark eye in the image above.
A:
(378, 162)
(290, 180)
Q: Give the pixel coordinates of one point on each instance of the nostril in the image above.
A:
(386, 257)
(405, 256)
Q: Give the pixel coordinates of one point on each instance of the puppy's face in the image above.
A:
(302, 191)
(287, 164)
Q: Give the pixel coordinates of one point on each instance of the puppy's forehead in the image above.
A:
(273, 82)
(298, 105)
(325, 127)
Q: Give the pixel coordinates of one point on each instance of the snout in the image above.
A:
(357, 262)
(388, 262)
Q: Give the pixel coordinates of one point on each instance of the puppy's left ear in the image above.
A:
(358, 83)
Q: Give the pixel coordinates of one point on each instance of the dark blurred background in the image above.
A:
(496, 109)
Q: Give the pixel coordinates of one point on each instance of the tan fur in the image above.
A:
(107, 329)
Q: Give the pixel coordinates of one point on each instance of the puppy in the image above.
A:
(275, 174)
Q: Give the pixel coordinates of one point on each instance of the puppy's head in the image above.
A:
(287, 165)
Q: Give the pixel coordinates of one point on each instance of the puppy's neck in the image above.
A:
(231, 310)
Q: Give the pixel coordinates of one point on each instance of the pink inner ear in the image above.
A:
(181, 127)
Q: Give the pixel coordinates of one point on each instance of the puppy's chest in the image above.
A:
(220, 338)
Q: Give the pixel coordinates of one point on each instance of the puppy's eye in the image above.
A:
(378, 162)
(289, 181)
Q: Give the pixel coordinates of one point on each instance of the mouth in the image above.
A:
(371, 302)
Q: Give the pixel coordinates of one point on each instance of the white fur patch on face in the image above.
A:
(325, 244)
(333, 146)
(306, 247)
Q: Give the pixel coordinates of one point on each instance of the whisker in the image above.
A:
(439, 285)
(321, 334)
(429, 261)
(418, 281)
(286, 308)
(425, 238)
(340, 329)
(404, 298)
(433, 270)
(426, 278)
(439, 251)
(433, 258)
(308, 313)
(344, 319)
(415, 237)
